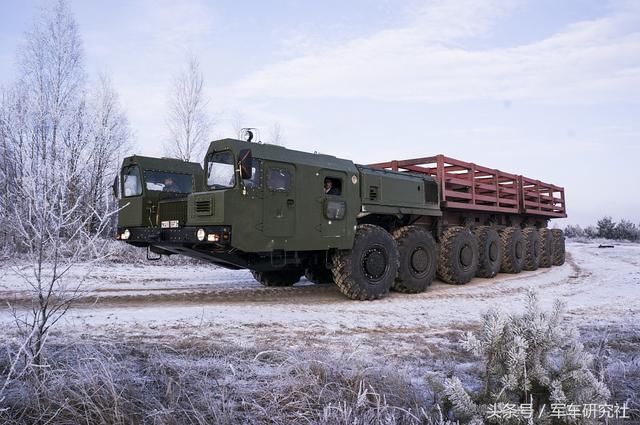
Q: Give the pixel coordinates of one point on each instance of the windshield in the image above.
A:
(221, 170)
(131, 181)
(162, 181)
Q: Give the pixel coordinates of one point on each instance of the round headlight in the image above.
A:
(125, 235)
(201, 234)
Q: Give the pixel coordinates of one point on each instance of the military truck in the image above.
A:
(284, 214)
(144, 184)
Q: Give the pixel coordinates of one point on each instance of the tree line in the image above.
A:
(61, 135)
(606, 228)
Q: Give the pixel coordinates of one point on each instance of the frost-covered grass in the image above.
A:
(197, 381)
(172, 380)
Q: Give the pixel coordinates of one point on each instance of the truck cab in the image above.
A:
(145, 183)
(256, 207)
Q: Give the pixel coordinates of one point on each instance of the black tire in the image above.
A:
(557, 236)
(278, 277)
(418, 259)
(367, 271)
(512, 250)
(458, 257)
(532, 248)
(546, 248)
(318, 274)
(490, 251)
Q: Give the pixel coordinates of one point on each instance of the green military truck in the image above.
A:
(284, 214)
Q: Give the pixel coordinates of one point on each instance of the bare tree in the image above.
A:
(58, 148)
(188, 122)
(238, 122)
(109, 136)
(276, 134)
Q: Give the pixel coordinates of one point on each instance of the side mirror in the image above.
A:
(115, 187)
(245, 162)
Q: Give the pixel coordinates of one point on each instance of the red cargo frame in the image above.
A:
(468, 186)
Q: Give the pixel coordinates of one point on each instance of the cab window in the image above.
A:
(279, 180)
(131, 184)
(333, 186)
(254, 181)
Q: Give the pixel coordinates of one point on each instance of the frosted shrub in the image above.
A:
(532, 357)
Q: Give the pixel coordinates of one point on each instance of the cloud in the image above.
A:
(426, 61)
(151, 45)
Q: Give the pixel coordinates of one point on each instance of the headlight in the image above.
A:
(201, 234)
(125, 235)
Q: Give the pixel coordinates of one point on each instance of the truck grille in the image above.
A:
(173, 210)
(203, 207)
(373, 193)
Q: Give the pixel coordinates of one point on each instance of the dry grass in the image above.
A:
(617, 360)
(197, 380)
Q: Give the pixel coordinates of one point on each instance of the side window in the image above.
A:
(278, 180)
(333, 186)
(254, 181)
(131, 184)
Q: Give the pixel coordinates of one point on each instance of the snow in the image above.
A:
(170, 305)
(597, 285)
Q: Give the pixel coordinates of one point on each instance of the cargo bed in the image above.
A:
(468, 186)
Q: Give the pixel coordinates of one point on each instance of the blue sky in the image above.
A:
(549, 89)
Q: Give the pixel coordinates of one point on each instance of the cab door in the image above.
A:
(332, 211)
(279, 200)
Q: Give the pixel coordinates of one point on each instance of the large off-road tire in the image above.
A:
(278, 277)
(513, 250)
(558, 247)
(318, 274)
(367, 271)
(490, 251)
(458, 256)
(532, 248)
(418, 259)
(546, 247)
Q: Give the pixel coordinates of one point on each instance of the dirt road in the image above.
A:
(596, 284)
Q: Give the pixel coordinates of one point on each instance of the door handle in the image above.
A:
(290, 202)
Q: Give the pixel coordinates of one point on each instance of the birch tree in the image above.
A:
(58, 146)
(188, 123)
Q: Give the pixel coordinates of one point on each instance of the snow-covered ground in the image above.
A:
(190, 315)
(599, 286)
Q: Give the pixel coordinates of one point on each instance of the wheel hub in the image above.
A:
(466, 256)
(374, 263)
(419, 260)
(493, 251)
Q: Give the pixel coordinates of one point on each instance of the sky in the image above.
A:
(545, 88)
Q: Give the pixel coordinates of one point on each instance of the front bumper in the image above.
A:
(213, 235)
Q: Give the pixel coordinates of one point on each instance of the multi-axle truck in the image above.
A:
(284, 214)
